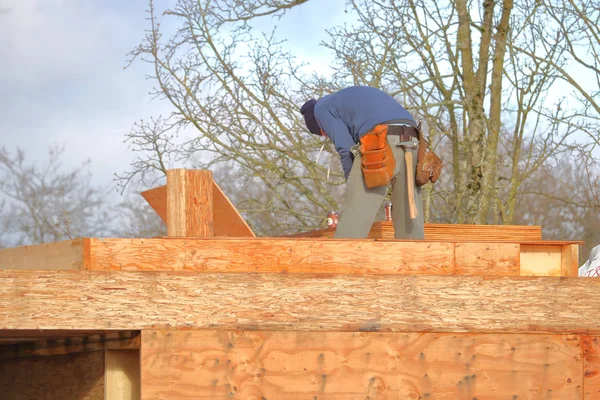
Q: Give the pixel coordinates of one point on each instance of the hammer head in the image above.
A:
(408, 145)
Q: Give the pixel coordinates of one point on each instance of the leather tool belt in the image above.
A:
(377, 160)
(429, 165)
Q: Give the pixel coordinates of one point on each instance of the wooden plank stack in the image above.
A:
(449, 232)
(469, 312)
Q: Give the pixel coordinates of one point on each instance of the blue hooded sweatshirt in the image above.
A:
(349, 114)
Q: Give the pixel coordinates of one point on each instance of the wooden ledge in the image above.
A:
(331, 239)
(305, 255)
(96, 300)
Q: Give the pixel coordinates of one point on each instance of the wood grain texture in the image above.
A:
(426, 303)
(52, 346)
(122, 375)
(189, 203)
(227, 220)
(72, 376)
(450, 232)
(334, 365)
(487, 259)
(570, 260)
(63, 255)
(157, 198)
(541, 260)
(272, 255)
(591, 366)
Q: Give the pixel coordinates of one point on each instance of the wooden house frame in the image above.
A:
(213, 312)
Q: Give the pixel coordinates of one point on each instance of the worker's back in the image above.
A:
(361, 108)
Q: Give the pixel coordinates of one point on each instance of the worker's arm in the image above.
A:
(339, 134)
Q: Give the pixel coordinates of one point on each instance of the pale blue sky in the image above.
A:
(62, 79)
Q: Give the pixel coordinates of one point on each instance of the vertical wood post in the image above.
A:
(122, 375)
(570, 260)
(189, 203)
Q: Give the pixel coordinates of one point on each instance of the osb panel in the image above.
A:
(487, 259)
(318, 365)
(77, 376)
(119, 300)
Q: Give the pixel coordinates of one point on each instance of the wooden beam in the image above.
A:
(38, 334)
(544, 260)
(487, 259)
(337, 365)
(272, 255)
(450, 232)
(570, 260)
(52, 346)
(227, 220)
(122, 375)
(71, 376)
(426, 303)
(189, 203)
(298, 255)
(157, 198)
(63, 255)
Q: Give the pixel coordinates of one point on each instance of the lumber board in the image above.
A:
(122, 375)
(541, 260)
(358, 365)
(272, 255)
(227, 221)
(570, 260)
(38, 334)
(62, 255)
(491, 259)
(591, 366)
(449, 232)
(38, 347)
(157, 198)
(72, 376)
(121, 300)
(298, 255)
(189, 203)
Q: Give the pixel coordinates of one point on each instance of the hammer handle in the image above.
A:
(410, 183)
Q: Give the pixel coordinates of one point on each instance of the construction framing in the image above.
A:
(214, 312)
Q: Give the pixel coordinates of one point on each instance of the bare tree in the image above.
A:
(242, 106)
(480, 74)
(43, 203)
(461, 68)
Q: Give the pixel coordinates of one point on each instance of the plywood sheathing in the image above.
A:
(359, 365)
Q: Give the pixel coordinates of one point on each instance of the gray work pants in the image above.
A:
(361, 203)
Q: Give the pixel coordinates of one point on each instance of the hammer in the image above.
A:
(410, 179)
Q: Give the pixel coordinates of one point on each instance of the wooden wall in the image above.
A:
(361, 365)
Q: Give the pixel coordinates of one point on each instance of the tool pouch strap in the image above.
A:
(377, 160)
(429, 165)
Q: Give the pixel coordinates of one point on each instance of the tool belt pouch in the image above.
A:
(429, 165)
(377, 160)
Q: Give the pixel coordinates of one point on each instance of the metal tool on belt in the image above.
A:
(410, 178)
